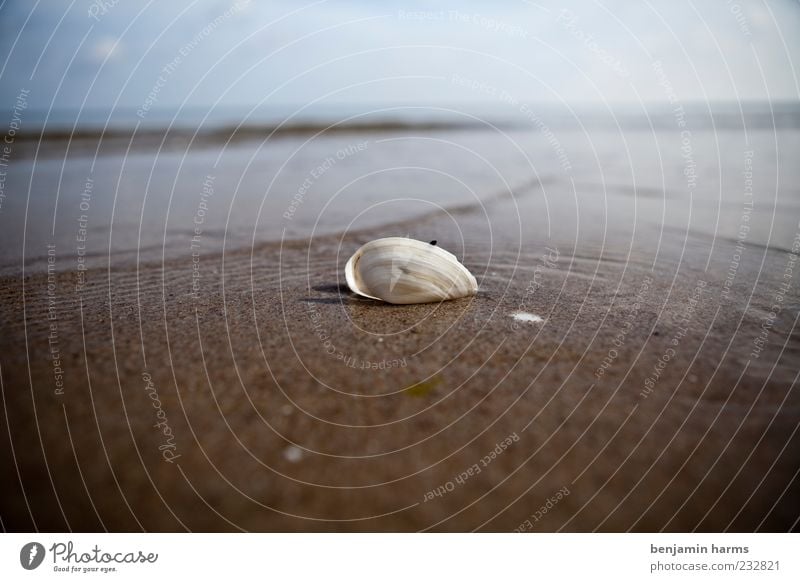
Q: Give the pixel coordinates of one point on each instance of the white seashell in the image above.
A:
(403, 270)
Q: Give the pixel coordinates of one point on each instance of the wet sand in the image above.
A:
(250, 390)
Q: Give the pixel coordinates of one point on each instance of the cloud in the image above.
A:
(106, 48)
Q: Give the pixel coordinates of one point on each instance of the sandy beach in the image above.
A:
(219, 375)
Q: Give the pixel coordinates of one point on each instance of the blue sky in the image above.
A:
(289, 52)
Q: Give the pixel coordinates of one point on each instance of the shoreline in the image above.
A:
(625, 338)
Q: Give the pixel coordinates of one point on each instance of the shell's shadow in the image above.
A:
(343, 295)
(340, 290)
(337, 288)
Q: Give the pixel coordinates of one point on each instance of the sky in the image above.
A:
(152, 56)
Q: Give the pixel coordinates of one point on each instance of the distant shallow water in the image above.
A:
(119, 201)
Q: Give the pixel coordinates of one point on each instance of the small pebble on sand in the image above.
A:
(526, 317)
(292, 454)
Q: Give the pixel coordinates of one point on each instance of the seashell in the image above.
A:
(402, 271)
